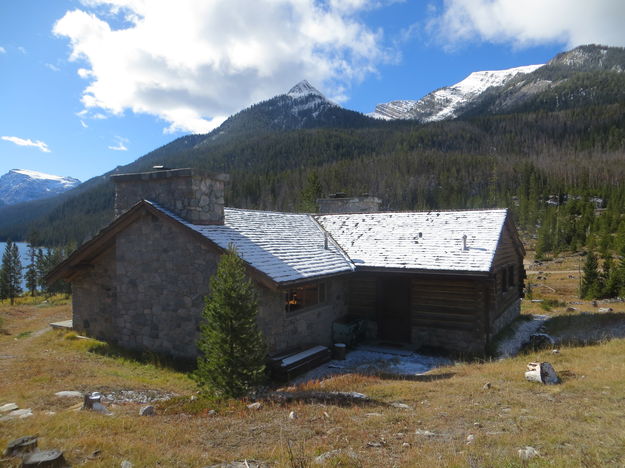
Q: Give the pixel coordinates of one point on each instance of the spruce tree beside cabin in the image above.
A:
(232, 350)
(10, 273)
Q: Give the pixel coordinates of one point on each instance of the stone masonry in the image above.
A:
(197, 198)
(363, 204)
(147, 293)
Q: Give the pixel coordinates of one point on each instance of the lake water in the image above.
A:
(23, 248)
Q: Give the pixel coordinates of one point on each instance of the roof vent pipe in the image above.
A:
(325, 240)
(464, 242)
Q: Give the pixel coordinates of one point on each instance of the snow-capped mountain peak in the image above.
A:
(303, 89)
(65, 181)
(20, 185)
(444, 103)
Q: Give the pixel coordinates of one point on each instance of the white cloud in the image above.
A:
(2, 50)
(83, 124)
(27, 142)
(192, 62)
(532, 22)
(120, 144)
(52, 67)
(22, 50)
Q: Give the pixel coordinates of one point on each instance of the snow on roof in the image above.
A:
(284, 246)
(291, 247)
(418, 240)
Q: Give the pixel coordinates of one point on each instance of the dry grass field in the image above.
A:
(476, 414)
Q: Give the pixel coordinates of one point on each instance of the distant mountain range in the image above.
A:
(514, 89)
(22, 185)
(572, 103)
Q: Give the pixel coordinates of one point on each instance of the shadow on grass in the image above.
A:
(413, 378)
(344, 399)
(143, 357)
(587, 328)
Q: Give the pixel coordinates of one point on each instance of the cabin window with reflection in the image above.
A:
(305, 296)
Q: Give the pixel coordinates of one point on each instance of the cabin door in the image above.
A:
(393, 309)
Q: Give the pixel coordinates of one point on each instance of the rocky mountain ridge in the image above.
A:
(21, 185)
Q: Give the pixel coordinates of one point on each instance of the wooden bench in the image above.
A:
(287, 365)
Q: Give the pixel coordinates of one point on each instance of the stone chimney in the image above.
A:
(197, 197)
(340, 203)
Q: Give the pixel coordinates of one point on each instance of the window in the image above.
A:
(507, 278)
(305, 296)
(511, 281)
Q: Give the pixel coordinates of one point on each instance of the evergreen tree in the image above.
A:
(31, 272)
(10, 273)
(232, 350)
(311, 192)
(591, 287)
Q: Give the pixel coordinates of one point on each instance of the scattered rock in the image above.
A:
(95, 454)
(18, 414)
(45, 459)
(370, 415)
(527, 453)
(147, 411)
(400, 405)
(211, 412)
(69, 394)
(292, 415)
(255, 406)
(326, 415)
(241, 464)
(405, 445)
(606, 309)
(8, 407)
(126, 464)
(540, 341)
(542, 372)
(375, 444)
(487, 386)
(470, 439)
(20, 446)
(327, 456)
(425, 433)
(555, 351)
(571, 309)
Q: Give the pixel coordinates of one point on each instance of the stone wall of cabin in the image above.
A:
(197, 198)
(162, 279)
(310, 326)
(94, 298)
(363, 204)
(147, 293)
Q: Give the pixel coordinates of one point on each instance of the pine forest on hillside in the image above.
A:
(554, 157)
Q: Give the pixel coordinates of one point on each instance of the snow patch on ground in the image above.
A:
(376, 360)
(522, 330)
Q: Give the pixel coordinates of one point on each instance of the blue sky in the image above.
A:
(88, 85)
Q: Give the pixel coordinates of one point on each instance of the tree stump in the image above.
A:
(90, 400)
(45, 459)
(21, 446)
(542, 372)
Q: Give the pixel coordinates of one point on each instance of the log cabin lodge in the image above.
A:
(441, 279)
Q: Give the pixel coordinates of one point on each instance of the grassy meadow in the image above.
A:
(474, 414)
